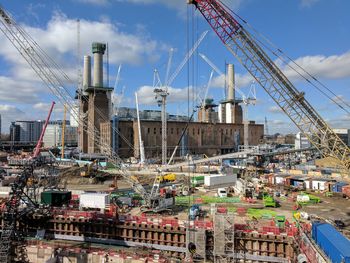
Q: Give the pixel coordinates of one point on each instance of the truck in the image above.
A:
(222, 192)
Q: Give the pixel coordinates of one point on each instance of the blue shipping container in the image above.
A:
(338, 187)
(333, 243)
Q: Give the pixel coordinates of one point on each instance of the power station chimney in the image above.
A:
(87, 72)
(98, 49)
(231, 82)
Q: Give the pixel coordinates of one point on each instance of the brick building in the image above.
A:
(200, 138)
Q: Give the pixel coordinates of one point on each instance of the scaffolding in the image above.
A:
(196, 236)
(223, 238)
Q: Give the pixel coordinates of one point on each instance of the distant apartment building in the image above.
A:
(343, 134)
(53, 135)
(14, 132)
(301, 141)
(286, 139)
(26, 131)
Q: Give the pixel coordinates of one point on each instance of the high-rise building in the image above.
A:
(301, 141)
(14, 132)
(343, 134)
(29, 131)
(53, 135)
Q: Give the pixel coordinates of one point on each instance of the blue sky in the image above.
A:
(140, 33)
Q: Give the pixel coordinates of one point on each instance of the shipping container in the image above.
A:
(94, 200)
(332, 243)
(338, 187)
(197, 180)
(219, 180)
(56, 198)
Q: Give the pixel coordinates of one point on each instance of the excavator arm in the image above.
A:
(270, 77)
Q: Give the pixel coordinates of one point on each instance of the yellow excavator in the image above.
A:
(89, 169)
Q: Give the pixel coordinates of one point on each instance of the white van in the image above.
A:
(222, 192)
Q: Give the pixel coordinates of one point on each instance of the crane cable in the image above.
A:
(293, 62)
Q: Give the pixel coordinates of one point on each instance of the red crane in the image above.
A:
(40, 141)
(270, 77)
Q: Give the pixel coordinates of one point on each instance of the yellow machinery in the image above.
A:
(89, 169)
(168, 178)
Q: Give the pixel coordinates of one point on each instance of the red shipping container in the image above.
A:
(222, 210)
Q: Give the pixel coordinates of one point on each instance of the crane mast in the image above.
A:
(293, 103)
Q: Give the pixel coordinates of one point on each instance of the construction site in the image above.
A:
(148, 186)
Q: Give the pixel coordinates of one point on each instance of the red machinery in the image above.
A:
(40, 141)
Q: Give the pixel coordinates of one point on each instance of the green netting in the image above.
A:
(261, 213)
(185, 200)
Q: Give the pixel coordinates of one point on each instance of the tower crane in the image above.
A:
(206, 95)
(115, 108)
(270, 77)
(162, 91)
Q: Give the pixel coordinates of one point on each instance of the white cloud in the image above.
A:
(18, 91)
(331, 67)
(320, 66)
(9, 113)
(340, 99)
(275, 109)
(241, 81)
(341, 122)
(58, 39)
(308, 3)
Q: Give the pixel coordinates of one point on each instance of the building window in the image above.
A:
(155, 131)
(177, 131)
(148, 130)
(172, 130)
(193, 131)
(199, 131)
